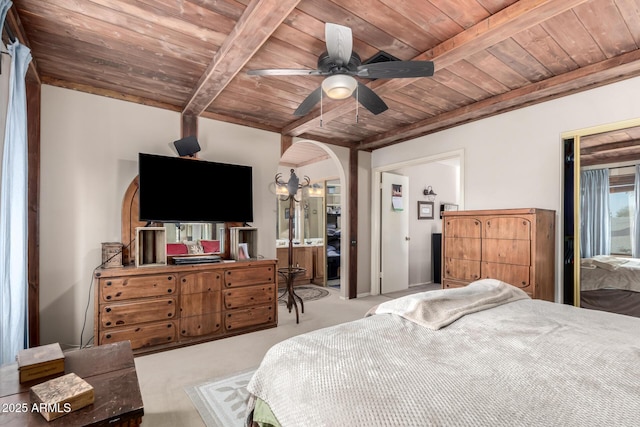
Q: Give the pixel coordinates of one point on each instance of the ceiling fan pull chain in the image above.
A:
(357, 102)
(321, 108)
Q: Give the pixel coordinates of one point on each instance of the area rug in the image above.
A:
(307, 293)
(223, 401)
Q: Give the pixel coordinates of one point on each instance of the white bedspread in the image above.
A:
(524, 363)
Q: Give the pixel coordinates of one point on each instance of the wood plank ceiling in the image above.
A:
(192, 56)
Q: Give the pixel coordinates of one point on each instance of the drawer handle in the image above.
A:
(108, 310)
(108, 323)
(108, 296)
(109, 283)
(169, 290)
(108, 336)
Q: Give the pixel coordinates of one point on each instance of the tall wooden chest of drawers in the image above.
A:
(516, 246)
(157, 308)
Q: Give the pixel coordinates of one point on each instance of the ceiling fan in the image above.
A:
(340, 65)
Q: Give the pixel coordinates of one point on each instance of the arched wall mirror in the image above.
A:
(602, 217)
(176, 232)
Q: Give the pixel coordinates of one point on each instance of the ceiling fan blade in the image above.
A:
(339, 43)
(395, 69)
(308, 103)
(369, 99)
(285, 72)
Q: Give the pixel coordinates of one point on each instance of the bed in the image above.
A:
(611, 284)
(484, 355)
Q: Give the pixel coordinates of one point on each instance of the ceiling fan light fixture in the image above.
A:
(339, 86)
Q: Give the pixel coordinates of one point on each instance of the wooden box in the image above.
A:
(244, 242)
(40, 362)
(151, 246)
(62, 395)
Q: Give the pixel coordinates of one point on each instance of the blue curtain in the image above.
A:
(635, 237)
(595, 222)
(13, 212)
(4, 8)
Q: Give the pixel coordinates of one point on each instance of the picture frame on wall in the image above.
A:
(425, 210)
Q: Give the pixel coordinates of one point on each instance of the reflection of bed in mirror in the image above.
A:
(611, 284)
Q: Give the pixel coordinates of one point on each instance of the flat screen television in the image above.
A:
(174, 189)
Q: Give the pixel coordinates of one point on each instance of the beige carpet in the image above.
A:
(165, 376)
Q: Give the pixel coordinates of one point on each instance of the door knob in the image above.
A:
(407, 238)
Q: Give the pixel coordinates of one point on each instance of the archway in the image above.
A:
(320, 163)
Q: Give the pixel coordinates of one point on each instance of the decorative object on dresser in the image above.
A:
(61, 396)
(40, 362)
(244, 242)
(163, 307)
(111, 254)
(447, 207)
(291, 271)
(151, 246)
(516, 246)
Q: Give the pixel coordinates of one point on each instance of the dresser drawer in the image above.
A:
(507, 251)
(126, 314)
(200, 303)
(463, 248)
(461, 269)
(451, 284)
(238, 319)
(201, 281)
(463, 227)
(249, 276)
(517, 228)
(146, 335)
(515, 275)
(122, 288)
(248, 296)
(197, 326)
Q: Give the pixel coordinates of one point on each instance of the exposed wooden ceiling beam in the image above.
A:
(501, 26)
(602, 73)
(259, 20)
(607, 146)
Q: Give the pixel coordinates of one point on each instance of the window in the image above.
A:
(621, 208)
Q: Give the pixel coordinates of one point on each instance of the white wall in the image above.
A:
(514, 160)
(90, 147)
(443, 180)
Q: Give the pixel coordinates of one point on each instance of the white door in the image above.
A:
(394, 238)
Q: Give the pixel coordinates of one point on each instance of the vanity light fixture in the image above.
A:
(429, 193)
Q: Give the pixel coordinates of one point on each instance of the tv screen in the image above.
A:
(174, 189)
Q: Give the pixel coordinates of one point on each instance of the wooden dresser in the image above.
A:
(158, 308)
(516, 246)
